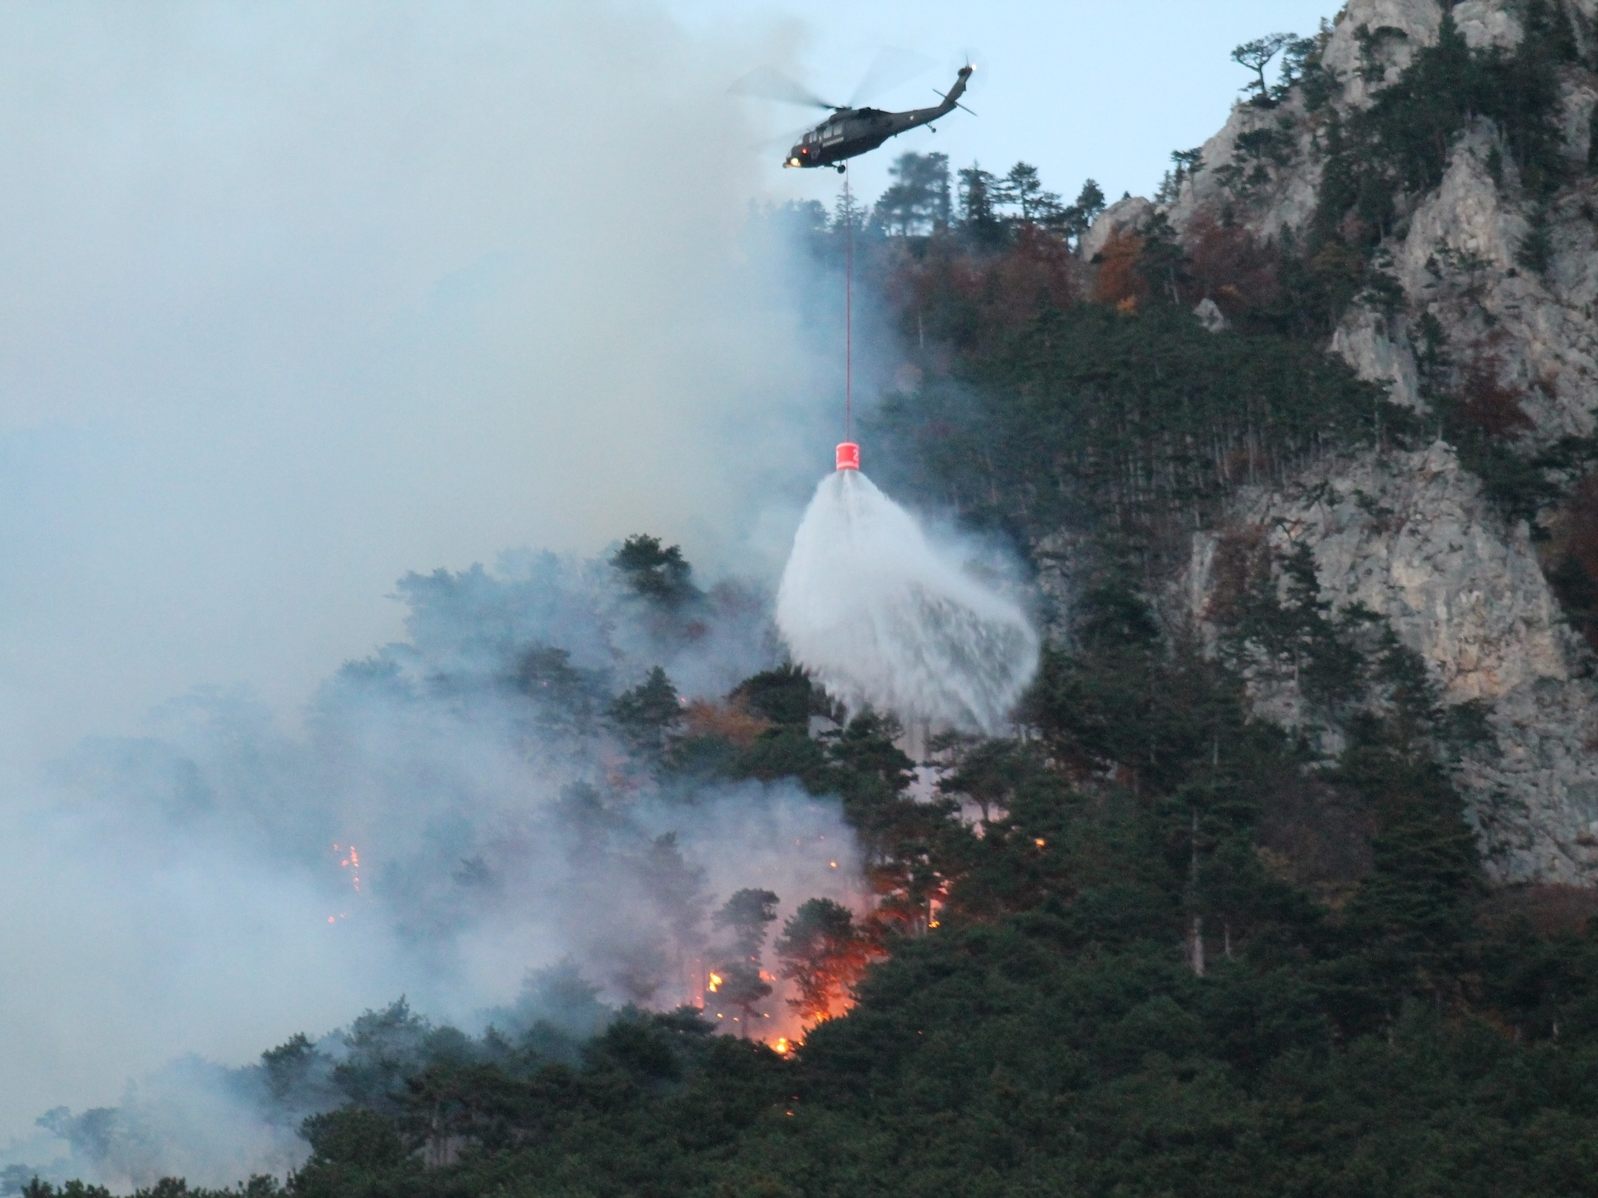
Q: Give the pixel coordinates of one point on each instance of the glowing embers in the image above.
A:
(769, 975)
(349, 860)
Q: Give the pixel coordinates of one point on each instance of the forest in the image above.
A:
(1151, 944)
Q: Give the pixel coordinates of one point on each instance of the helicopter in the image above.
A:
(849, 132)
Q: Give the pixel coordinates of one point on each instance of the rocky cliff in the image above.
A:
(1410, 536)
(1476, 312)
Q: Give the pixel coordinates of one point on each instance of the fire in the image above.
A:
(780, 1046)
(352, 862)
(1040, 842)
(715, 983)
(350, 859)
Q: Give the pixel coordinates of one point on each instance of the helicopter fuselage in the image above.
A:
(852, 131)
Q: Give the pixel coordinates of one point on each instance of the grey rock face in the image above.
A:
(1410, 536)
(1126, 215)
(1374, 40)
(1378, 349)
(1488, 23)
(1284, 201)
(1056, 557)
(1460, 261)
(1370, 46)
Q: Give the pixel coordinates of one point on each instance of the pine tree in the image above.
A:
(649, 715)
(656, 573)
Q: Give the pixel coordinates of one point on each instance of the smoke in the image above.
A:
(309, 296)
(456, 813)
(299, 297)
(884, 616)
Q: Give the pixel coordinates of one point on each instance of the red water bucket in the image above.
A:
(848, 456)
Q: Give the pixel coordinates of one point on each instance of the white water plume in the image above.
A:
(881, 615)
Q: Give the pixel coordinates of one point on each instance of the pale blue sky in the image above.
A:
(1081, 88)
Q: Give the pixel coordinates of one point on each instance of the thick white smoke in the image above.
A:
(180, 892)
(882, 615)
(298, 297)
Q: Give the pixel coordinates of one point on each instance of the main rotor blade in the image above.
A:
(782, 141)
(889, 68)
(768, 83)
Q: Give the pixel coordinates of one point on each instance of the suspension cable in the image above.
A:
(848, 311)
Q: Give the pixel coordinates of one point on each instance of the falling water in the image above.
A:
(880, 615)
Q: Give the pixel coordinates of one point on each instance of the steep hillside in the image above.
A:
(1284, 880)
(1427, 179)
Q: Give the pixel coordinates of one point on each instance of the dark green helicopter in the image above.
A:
(849, 131)
(852, 131)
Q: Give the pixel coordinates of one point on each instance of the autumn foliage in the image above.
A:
(727, 721)
(1225, 263)
(1120, 282)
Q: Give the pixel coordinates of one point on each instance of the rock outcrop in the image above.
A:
(1127, 215)
(1461, 261)
(1410, 537)
(1377, 346)
(1491, 285)
(1458, 253)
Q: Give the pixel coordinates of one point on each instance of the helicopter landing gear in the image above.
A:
(840, 168)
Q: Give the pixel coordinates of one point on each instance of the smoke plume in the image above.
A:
(458, 812)
(309, 296)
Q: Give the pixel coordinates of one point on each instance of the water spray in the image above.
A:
(883, 616)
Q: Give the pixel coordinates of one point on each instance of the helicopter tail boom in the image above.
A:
(951, 101)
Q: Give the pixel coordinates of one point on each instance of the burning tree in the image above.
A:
(738, 981)
(823, 953)
(740, 985)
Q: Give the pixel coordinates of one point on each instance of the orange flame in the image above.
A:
(715, 983)
(350, 860)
